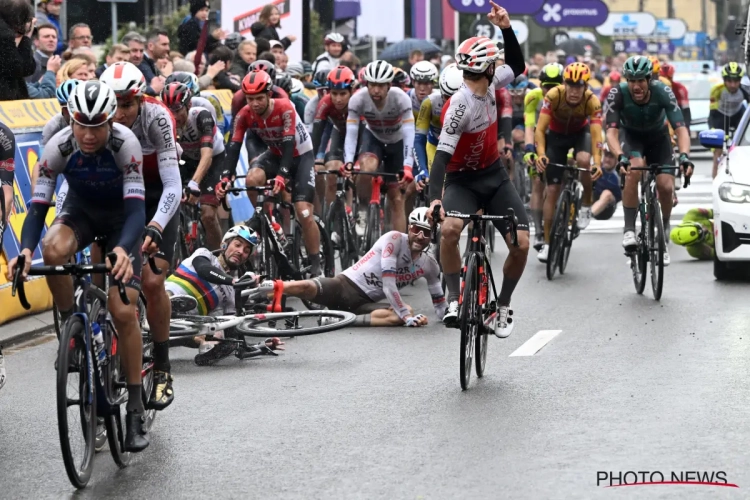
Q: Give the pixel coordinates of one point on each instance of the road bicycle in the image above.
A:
(99, 386)
(258, 319)
(651, 241)
(378, 211)
(478, 312)
(340, 222)
(565, 222)
(191, 234)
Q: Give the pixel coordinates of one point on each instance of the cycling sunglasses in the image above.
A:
(423, 231)
(95, 121)
(573, 83)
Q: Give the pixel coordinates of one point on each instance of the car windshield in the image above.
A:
(698, 89)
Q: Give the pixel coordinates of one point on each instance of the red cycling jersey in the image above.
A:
(326, 111)
(504, 103)
(281, 125)
(681, 93)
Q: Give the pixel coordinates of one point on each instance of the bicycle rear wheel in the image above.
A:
(482, 341)
(294, 324)
(77, 428)
(657, 247)
(557, 234)
(469, 315)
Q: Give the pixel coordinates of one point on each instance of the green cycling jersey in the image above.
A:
(641, 119)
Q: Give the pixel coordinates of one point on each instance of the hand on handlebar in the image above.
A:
(421, 180)
(686, 167)
(226, 180)
(152, 238)
(541, 163)
(279, 184)
(191, 193)
(123, 268)
(432, 209)
(596, 172)
(530, 158)
(623, 163)
(12, 266)
(346, 170)
(406, 177)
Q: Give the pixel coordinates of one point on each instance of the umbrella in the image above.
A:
(579, 46)
(402, 49)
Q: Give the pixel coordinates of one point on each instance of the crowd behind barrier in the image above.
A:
(27, 118)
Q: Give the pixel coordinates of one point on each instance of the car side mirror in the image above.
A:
(711, 139)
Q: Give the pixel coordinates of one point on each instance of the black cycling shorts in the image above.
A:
(719, 120)
(210, 180)
(302, 173)
(558, 146)
(89, 221)
(656, 147)
(343, 294)
(255, 146)
(7, 155)
(391, 155)
(170, 233)
(336, 148)
(489, 189)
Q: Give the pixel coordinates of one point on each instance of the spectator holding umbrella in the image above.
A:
(268, 22)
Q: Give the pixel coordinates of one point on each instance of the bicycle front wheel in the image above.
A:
(557, 234)
(372, 233)
(657, 247)
(469, 315)
(76, 402)
(568, 236)
(294, 324)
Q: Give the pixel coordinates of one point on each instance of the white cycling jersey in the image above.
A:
(390, 124)
(310, 108)
(199, 131)
(388, 267)
(53, 126)
(415, 102)
(210, 297)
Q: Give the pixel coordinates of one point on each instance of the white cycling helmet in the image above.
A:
(334, 38)
(423, 71)
(92, 103)
(297, 86)
(379, 72)
(477, 54)
(243, 232)
(451, 80)
(418, 217)
(125, 79)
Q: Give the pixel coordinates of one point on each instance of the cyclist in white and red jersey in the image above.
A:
(154, 126)
(388, 136)
(396, 260)
(202, 155)
(680, 92)
(475, 178)
(289, 157)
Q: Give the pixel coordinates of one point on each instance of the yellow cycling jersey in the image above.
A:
(428, 119)
(532, 104)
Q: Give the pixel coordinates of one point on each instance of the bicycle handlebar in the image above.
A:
(510, 219)
(152, 263)
(655, 168)
(65, 269)
(257, 189)
(568, 167)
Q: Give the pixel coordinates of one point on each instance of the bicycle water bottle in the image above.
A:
(101, 353)
(279, 232)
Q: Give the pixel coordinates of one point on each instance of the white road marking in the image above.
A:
(535, 343)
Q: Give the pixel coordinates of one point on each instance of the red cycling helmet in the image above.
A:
(667, 70)
(340, 78)
(361, 76)
(256, 82)
(175, 95)
(614, 76)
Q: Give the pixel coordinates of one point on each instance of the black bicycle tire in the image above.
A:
(268, 261)
(372, 234)
(639, 259)
(568, 240)
(72, 328)
(656, 223)
(558, 223)
(56, 318)
(482, 342)
(468, 314)
(147, 382)
(348, 254)
(347, 319)
(327, 254)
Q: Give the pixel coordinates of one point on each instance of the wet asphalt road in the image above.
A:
(628, 384)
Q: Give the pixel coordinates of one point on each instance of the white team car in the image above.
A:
(731, 200)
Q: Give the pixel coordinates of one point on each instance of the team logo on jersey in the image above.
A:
(546, 104)
(8, 165)
(115, 143)
(133, 167)
(286, 118)
(66, 148)
(388, 250)
(45, 171)
(598, 114)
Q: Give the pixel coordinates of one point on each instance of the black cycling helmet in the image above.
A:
(233, 40)
(320, 79)
(284, 81)
(263, 66)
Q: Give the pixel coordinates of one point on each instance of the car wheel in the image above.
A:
(722, 271)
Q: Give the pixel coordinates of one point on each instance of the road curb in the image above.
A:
(25, 329)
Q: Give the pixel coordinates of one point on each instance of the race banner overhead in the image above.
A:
(572, 13)
(483, 6)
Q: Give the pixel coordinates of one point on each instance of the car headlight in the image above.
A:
(734, 193)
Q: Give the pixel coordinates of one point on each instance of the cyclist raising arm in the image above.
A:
(475, 178)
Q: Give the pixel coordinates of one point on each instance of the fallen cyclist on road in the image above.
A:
(396, 260)
(202, 285)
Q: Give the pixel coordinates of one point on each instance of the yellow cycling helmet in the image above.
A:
(687, 233)
(732, 70)
(655, 65)
(576, 72)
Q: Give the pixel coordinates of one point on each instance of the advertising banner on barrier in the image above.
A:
(572, 13)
